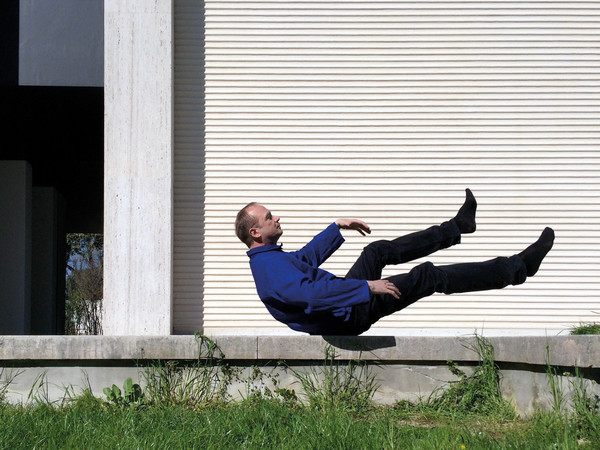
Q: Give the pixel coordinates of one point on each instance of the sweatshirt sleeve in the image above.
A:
(321, 247)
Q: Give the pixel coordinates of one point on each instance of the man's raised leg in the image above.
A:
(497, 273)
(379, 254)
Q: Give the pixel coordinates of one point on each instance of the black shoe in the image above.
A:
(465, 218)
(533, 255)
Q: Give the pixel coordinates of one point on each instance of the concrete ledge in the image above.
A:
(580, 351)
(407, 367)
(115, 348)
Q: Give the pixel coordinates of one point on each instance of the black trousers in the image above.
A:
(425, 279)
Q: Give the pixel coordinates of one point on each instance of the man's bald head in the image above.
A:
(243, 222)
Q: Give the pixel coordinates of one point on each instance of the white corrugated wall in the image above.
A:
(386, 111)
(188, 191)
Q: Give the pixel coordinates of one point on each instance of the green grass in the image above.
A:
(272, 424)
(586, 328)
(185, 407)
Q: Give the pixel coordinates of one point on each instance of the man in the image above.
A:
(306, 298)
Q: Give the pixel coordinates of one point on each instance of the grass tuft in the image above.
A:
(586, 408)
(7, 377)
(475, 394)
(586, 328)
(198, 383)
(336, 384)
(584, 416)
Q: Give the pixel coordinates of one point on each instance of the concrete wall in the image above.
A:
(61, 43)
(138, 167)
(406, 367)
(15, 247)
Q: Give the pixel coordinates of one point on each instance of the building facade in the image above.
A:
(156, 121)
(51, 161)
(384, 111)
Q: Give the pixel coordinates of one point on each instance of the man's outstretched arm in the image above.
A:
(353, 224)
(329, 240)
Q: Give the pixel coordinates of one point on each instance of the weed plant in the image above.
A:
(555, 383)
(132, 394)
(335, 384)
(586, 408)
(199, 383)
(584, 416)
(7, 376)
(586, 328)
(478, 393)
(257, 386)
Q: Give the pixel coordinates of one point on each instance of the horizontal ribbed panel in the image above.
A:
(386, 111)
(188, 190)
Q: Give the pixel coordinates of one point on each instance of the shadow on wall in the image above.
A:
(361, 343)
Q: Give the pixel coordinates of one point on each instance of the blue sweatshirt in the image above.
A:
(298, 293)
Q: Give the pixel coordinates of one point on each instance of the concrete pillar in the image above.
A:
(47, 262)
(138, 167)
(15, 247)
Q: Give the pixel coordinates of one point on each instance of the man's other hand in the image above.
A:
(353, 224)
(384, 287)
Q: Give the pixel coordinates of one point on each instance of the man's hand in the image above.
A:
(384, 287)
(353, 224)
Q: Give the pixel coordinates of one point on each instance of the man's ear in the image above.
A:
(254, 233)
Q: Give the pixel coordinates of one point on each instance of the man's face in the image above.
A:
(267, 228)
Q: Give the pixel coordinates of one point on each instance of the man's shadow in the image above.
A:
(361, 343)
